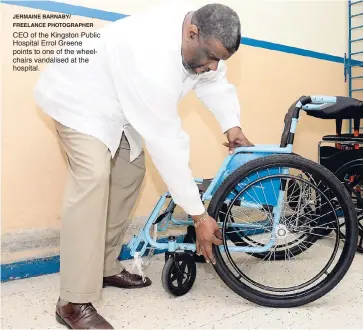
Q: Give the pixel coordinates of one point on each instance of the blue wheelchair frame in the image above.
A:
(240, 157)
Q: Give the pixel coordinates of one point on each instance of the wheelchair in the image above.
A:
(345, 159)
(272, 207)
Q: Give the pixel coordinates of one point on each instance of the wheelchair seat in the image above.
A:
(334, 159)
(343, 138)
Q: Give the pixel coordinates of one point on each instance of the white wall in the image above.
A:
(317, 25)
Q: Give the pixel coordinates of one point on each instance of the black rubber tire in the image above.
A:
(169, 267)
(346, 258)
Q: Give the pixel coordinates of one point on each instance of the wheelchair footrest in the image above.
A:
(138, 243)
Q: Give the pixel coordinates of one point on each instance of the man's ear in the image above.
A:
(193, 31)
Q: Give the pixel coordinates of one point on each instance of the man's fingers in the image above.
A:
(218, 234)
(244, 143)
(197, 248)
(217, 241)
(204, 253)
(208, 250)
(230, 146)
(238, 143)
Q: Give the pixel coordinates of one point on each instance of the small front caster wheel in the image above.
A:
(179, 274)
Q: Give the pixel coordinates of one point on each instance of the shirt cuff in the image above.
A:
(194, 207)
(229, 122)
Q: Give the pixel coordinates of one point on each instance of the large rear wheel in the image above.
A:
(255, 197)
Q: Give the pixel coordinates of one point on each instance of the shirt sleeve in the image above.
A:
(220, 97)
(149, 101)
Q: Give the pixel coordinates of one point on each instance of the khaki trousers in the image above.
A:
(99, 196)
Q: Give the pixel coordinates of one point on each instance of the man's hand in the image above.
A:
(207, 233)
(236, 139)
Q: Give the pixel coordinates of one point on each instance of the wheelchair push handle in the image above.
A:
(304, 100)
(308, 103)
(315, 102)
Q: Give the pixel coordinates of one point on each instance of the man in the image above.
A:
(130, 91)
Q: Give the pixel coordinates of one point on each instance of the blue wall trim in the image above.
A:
(54, 6)
(50, 265)
(29, 268)
(290, 50)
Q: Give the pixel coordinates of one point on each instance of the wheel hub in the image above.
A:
(281, 231)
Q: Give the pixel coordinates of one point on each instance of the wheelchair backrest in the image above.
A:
(287, 126)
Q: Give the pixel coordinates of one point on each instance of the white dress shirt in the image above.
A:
(133, 85)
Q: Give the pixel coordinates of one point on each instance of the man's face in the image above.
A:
(202, 55)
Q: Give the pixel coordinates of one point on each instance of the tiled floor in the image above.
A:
(29, 304)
